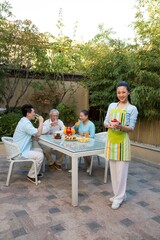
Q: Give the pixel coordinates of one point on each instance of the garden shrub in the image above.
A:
(66, 113)
(8, 123)
(15, 109)
(99, 126)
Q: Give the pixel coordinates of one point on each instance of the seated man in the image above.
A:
(23, 137)
(50, 126)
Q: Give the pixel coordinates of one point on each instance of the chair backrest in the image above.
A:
(102, 136)
(12, 149)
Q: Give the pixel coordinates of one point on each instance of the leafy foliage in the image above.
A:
(110, 64)
(108, 61)
(67, 114)
(104, 61)
(8, 123)
(147, 58)
(5, 10)
(21, 47)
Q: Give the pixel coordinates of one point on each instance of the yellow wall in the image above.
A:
(79, 97)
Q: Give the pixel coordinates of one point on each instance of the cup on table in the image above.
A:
(77, 123)
(87, 135)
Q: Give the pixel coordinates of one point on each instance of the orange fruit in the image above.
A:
(72, 131)
(64, 131)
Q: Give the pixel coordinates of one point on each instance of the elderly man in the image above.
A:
(50, 126)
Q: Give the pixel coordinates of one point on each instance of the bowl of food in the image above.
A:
(83, 140)
(57, 135)
(70, 138)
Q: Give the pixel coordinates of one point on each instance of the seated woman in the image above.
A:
(85, 127)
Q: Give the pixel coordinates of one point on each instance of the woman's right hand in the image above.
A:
(77, 124)
(107, 125)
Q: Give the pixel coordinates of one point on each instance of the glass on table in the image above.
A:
(77, 123)
(87, 135)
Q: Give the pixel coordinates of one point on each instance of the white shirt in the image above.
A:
(49, 129)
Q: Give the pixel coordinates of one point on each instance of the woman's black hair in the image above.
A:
(27, 108)
(85, 112)
(125, 84)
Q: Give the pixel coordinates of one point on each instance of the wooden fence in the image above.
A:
(146, 132)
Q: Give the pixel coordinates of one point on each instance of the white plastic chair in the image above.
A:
(12, 152)
(102, 136)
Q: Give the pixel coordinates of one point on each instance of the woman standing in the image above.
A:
(85, 127)
(120, 119)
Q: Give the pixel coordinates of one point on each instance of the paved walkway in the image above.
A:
(44, 212)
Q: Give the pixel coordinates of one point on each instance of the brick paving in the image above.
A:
(44, 212)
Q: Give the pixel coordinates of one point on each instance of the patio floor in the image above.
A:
(44, 212)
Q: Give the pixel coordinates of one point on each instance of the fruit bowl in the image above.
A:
(68, 131)
(70, 138)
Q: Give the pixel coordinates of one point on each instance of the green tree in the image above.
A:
(21, 47)
(5, 10)
(63, 56)
(107, 61)
(147, 59)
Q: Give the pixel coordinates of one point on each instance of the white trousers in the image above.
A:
(119, 174)
(37, 154)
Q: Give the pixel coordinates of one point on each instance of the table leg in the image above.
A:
(74, 181)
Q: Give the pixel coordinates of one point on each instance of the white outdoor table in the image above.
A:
(74, 149)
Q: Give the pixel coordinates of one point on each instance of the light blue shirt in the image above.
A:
(23, 136)
(131, 114)
(88, 128)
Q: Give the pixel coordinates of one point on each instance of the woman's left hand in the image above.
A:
(117, 125)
